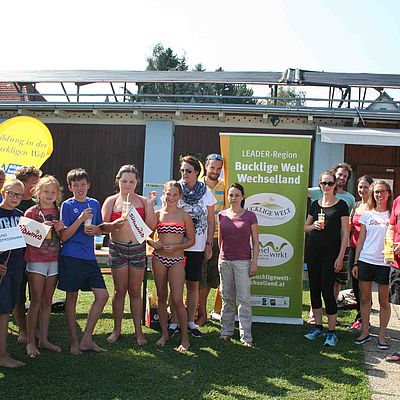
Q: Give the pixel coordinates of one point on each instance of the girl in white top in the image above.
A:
(369, 265)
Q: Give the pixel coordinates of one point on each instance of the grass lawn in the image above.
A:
(282, 365)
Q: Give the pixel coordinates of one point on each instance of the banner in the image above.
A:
(11, 238)
(138, 226)
(273, 169)
(23, 141)
(34, 232)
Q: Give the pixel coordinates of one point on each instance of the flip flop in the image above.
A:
(311, 321)
(393, 357)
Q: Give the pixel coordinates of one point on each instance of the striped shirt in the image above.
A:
(219, 194)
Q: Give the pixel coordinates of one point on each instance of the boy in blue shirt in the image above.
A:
(78, 268)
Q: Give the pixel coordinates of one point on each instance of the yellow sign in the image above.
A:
(24, 141)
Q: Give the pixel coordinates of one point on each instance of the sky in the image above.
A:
(253, 35)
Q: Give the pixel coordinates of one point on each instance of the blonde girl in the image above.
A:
(42, 263)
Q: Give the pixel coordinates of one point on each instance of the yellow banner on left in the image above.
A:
(24, 141)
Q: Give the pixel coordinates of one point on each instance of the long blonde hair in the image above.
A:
(48, 180)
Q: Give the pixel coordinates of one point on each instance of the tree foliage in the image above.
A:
(289, 95)
(164, 59)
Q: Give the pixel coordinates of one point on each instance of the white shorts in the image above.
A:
(43, 268)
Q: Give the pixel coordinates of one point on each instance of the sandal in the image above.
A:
(393, 357)
(311, 321)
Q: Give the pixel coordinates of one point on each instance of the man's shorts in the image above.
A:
(342, 277)
(194, 262)
(78, 274)
(209, 273)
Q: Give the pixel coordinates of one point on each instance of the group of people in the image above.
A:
(342, 230)
(195, 242)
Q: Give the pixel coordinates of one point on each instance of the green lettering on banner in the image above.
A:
(275, 180)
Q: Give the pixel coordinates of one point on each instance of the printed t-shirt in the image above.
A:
(330, 236)
(50, 248)
(10, 219)
(235, 235)
(199, 212)
(219, 193)
(79, 245)
(376, 224)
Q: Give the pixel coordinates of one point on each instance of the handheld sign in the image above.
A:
(11, 238)
(138, 226)
(34, 232)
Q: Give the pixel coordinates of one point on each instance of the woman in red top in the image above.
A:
(363, 189)
(127, 257)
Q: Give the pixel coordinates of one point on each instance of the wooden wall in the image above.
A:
(100, 149)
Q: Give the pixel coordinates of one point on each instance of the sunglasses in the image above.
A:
(214, 157)
(330, 184)
(14, 194)
(378, 192)
(187, 170)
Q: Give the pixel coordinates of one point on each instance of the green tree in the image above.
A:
(164, 59)
(289, 94)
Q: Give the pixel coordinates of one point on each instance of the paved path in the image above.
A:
(384, 377)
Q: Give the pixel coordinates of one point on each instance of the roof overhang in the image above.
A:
(361, 136)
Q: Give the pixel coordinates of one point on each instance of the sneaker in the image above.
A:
(314, 333)
(356, 326)
(364, 340)
(195, 332)
(172, 331)
(331, 339)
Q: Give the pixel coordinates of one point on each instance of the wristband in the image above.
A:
(355, 264)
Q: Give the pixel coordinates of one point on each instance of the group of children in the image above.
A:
(74, 265)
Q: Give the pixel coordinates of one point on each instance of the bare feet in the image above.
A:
(184, 346)
(113, 337)
(247, 344)
(141, 339)
(89, 345)
(45, 344)
(224, 337)
(32, 350)
(201, 321)
(22, 338)
(162, 341)
(75, 349)
(8, 362)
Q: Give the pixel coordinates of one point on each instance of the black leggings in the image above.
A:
(354, 281)
(321, 277)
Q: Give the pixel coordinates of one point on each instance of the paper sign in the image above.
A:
(34, 232)
(138, 226)
(11, 238)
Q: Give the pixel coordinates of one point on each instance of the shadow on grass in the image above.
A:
(281, 365)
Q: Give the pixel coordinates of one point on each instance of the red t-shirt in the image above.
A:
(50, 248)
(235, 235)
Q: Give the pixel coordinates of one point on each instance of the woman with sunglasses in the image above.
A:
(369, 264)
(363, 188)
(328, 226)
(198, 201)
